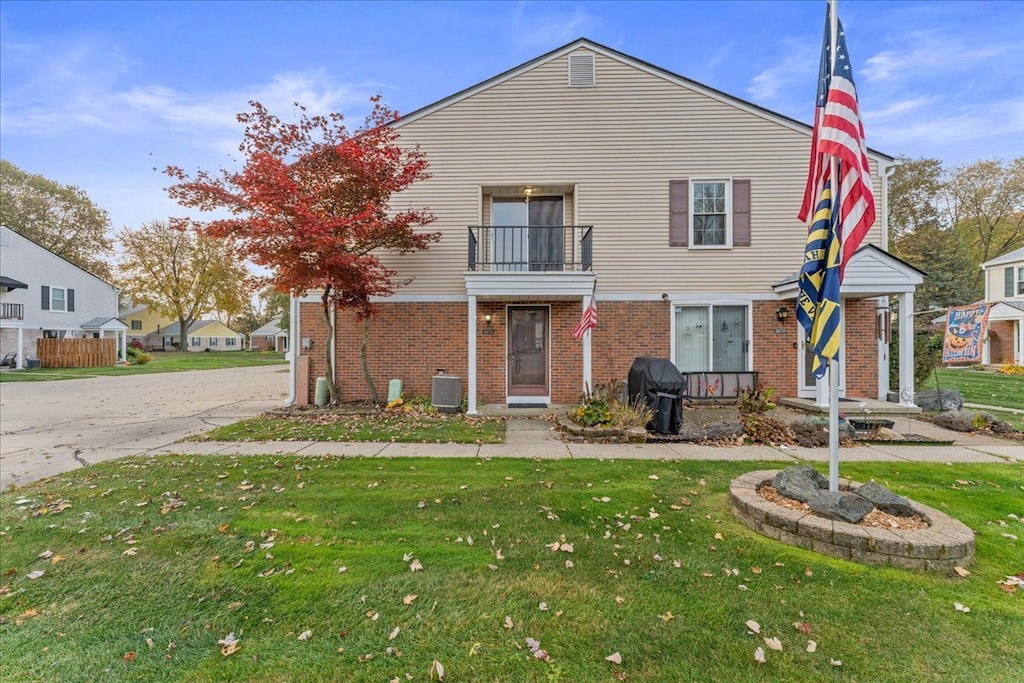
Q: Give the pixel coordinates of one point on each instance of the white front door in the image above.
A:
(807, 384)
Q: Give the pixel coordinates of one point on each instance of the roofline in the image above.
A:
(794, 278)
(28, 239)
(1004, 258)
(714, 93)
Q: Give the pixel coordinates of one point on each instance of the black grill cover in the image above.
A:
(659, 383)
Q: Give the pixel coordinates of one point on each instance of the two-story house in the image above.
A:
(44, 295)
(587, 173)
(1004, 289)
(142, 321)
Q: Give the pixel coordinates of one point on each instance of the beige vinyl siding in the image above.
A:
(619, 144)
(995, 281)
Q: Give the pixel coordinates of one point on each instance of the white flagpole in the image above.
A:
(833, 365)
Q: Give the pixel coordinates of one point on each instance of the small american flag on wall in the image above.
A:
(589, 319)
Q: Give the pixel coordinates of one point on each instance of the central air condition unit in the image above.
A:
(446, 393)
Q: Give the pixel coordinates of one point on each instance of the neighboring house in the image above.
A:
(44, 295)
(269, 337)
(143, 321)
(588, 170)
(1004, 289)
(203, 335)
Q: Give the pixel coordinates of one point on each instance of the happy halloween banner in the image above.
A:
(965, 333)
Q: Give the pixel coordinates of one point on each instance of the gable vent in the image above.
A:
(581, 70)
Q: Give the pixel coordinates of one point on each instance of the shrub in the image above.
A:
(1011, 370)
(756, 401)
(608, 405)
(132, 352)
(136, 344)
(142, 358)
(630, 413)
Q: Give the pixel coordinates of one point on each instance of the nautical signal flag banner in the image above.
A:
(839, 133)
(965, 333)
(818, 301)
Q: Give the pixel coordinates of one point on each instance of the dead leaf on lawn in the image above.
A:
(773, 643)
(759, 656)
(409, 599)
(305, 635)
(394, 633)
(415, 566)
(128, 657)
(835, 662)
(754, 626)
(812, 646)
(961, 571)
(961, 608)
(666, 617)
(229, 644)
(509, 623)
(131, 552)
(803, 627)
(32, 576)
(614, 658)
(436, 669)
(655, 477)
(45, 555)
(808, 572)
(223, 528)
(619, 599)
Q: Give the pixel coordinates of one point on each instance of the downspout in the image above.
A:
(293, 328)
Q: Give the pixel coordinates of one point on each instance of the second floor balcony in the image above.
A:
(12, 311)
(530, 248)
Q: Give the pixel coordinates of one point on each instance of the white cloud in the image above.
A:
(545, 26)
(926, 52)
(794, 71)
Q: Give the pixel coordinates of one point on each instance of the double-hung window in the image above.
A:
(58, 299)
(710, 213)
(1020, 280)
(196, 341)
(711, 338)
(136, 325)
(230, 341)
(213, 341)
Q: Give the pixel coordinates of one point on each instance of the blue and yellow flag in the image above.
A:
(818, 301)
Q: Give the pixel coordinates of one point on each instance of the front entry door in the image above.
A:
(528, 351)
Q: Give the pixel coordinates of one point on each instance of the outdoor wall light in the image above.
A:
(527, 191)
(781, 314)
(487, 319)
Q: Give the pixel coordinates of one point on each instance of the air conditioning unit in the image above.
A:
(446, 393)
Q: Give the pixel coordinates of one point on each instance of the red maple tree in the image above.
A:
(311, 203)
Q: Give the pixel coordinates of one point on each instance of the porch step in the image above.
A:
(852, 407)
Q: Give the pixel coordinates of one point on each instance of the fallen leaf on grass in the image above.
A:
(614, 658)
(773, 643)
(803, 627)
(45, 555)
(305, 635)
(808, 572)
(509, 623)
(409, 599)
(436, 669)
(543, 607)
(961, 571)
(666, 617)
(229, 644)
(655, 477)
(129, 657)
(394, 633)
(35, 575)
(961, 608)
(812, 646)
(759, 656)
(223, 528)
(415, 566)
(619, 599)
(835, 662)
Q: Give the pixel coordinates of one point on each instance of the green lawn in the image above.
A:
(162, 362)
(387, 426)
(986, 388)
(308, 563)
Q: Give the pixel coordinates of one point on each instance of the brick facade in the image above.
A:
(1000, 342)
(411, 341)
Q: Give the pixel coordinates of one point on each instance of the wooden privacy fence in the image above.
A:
(76, 353)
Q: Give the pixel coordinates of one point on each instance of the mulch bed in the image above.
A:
(875, 518)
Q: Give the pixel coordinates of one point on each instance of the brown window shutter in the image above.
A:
(741, 213)
(679, 212)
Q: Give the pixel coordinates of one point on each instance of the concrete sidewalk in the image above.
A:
(526, 438)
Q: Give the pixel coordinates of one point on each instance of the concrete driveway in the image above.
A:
(51, 427)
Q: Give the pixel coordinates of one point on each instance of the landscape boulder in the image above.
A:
(885, 500)
(841, 506)
(939, 400)
(801, 482)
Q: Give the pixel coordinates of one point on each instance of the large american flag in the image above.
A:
(838, 132)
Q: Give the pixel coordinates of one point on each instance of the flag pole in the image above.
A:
(833, 364)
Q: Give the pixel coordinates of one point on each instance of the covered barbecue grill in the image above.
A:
(662, 387)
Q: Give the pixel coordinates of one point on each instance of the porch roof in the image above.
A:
(871, 272)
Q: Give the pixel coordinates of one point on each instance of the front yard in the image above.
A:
(161, 362)
(316, 569)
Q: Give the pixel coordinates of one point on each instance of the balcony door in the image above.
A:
(528, 235)
(528, 350)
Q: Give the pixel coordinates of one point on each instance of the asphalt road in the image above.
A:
(51, 427)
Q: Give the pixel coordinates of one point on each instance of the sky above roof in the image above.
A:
(100, 94)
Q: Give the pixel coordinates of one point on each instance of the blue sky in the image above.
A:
(98, 94)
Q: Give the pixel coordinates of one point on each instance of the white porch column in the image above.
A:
(122, 345)
(471, 357)
(882, 318)
(588, 383)
(906, 323)
(21, 351)
(1018, 352)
